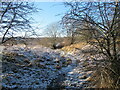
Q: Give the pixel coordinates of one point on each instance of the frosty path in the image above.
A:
(41, 67)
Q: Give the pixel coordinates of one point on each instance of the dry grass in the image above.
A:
(73, 47)
(104, 77)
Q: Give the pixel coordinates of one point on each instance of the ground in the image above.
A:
(41, 67)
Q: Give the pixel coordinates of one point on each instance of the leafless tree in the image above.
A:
(53, 31)
(102, 23)
(102, 19)
(70, 26)
(15, 17)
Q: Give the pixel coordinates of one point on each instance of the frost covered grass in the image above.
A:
(41, 67)
(31, 67)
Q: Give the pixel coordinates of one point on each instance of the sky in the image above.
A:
(50, 12)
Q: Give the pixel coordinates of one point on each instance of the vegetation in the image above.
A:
(14, 18)
(101, 20)
(92, 32)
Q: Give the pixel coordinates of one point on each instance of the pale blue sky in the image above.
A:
(47, 15)
(51, 12)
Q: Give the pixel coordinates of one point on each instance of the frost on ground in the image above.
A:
(41, 67)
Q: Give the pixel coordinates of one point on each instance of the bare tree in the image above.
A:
(14, 18)
(102, 23)
(76, 28)
(102, 19)
(70, 26)
(53, 31)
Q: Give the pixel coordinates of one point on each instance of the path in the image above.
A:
(41, 67)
